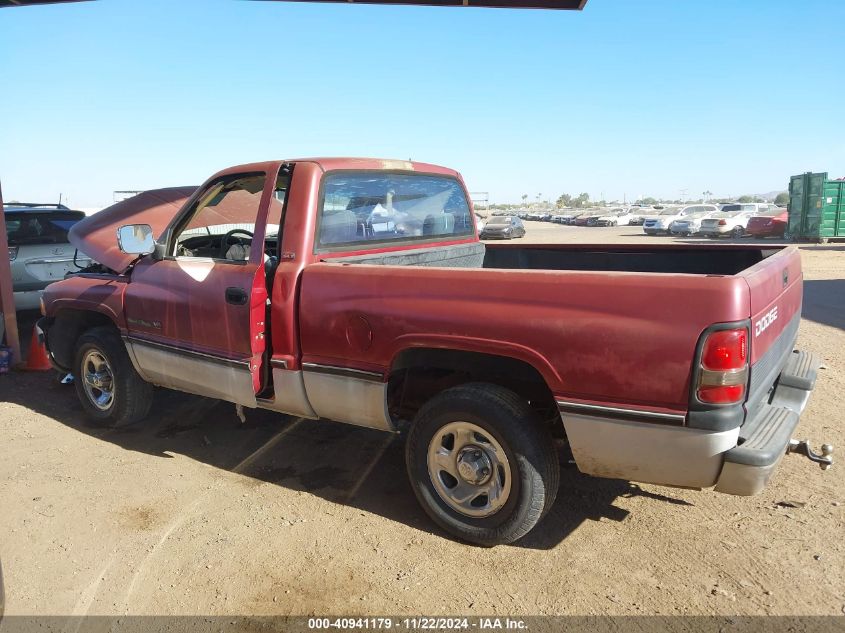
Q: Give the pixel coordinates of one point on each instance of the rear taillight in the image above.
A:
(13, 253)
(724, 367)
(723, 222)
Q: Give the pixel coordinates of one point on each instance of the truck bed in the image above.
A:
(697, 260)
(704, 259)
(616, 325)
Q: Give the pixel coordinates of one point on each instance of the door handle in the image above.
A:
(236, 296)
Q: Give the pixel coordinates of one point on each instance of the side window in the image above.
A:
(221, 223)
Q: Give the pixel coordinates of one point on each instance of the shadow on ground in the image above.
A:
(345, 464)
(824, 302)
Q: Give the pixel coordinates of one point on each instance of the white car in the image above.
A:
(617, 217)
(659, 221)
(662, 222)
(39, 251)
(690, 223)
(732, 221)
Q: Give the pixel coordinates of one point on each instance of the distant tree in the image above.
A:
(746, 199)
(583, 200)
(524, 198)
(649, 200)
(565, 200)
(782, 198)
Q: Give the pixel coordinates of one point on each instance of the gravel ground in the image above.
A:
(193, 512)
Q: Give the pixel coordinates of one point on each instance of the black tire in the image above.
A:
(534, 470)
(132, 395)
(737, 232)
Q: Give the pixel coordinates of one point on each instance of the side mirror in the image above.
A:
(135, 239)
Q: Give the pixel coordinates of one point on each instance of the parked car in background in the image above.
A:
(639, 215)
(771, 223)
(503, 228)
(39, 251)
(689, 220)
(479, 222)
(588, 218)
(569, 216)
(662, 222)
(732, 220)
(659, 222)
(618, 216)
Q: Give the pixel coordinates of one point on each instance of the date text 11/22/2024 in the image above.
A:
(417, 623)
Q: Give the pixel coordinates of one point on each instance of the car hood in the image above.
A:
(695, 216)
(96, 235)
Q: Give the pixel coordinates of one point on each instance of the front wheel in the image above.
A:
(481, 464)
(109, 388)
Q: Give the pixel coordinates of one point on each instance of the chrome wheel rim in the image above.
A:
(97, 380)
(469, 469)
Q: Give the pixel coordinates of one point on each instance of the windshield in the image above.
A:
(500, 221)
(772, 213)
(669, 212)
(731, 207)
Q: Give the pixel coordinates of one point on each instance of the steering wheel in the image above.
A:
(224, 244)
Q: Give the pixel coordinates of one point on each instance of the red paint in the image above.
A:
(768, 226)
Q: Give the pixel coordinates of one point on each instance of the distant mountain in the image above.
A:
(771, 195)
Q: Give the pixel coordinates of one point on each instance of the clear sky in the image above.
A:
(626, 97)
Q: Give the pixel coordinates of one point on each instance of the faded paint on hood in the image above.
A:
(96, 235)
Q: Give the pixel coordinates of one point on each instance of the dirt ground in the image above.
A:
(193, 512)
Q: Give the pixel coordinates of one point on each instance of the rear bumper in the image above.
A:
(619, 444)
(765, 232)
(764, 440)
(28, 299)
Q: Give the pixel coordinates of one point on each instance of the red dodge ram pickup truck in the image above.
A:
(357, 290)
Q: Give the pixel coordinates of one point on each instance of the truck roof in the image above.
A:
(341, 162)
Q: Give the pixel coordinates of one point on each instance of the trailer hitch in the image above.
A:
(802, 447)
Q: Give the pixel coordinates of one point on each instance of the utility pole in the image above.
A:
(683, 193)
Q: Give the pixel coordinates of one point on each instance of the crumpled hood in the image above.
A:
(96, 235)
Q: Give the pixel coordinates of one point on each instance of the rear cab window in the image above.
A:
(362, 209)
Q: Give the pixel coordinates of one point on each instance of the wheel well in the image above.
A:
(419, 374)
(67, 326)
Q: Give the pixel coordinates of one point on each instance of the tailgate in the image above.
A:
(776, 289)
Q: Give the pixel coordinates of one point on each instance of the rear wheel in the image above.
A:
(109, 388)
(737, 231)
(481, 465)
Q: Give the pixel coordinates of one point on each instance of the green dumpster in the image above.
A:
(816, 207)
